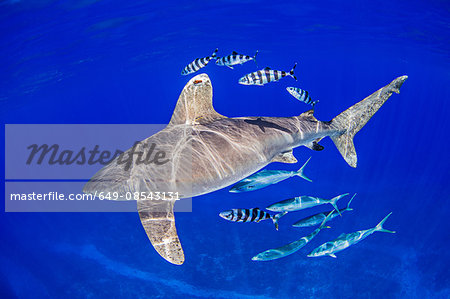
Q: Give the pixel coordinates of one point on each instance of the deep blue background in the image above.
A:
(120, 61)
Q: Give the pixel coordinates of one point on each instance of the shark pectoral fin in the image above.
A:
(332, 255)
(286, 157)
(158, 221)
(195, 103)
(314, 146)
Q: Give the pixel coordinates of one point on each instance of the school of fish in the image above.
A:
(266, 177)
(258, 78)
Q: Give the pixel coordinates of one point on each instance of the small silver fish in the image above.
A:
(274, 254)
(265, 178)
(250, 215)
(346, 240)
(301, 95)
(266, 75)
(318, 218)
(234, 59)
(198, 63)
(303, 202)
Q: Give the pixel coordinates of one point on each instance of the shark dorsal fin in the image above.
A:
(195, 103)
(234, 52)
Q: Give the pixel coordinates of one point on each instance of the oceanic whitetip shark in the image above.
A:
(207, 151)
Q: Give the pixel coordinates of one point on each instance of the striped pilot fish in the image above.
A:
(234, 59)
(250, 215)
(301, 95)
(346, 240)
(316, 219)
(198, 64)
(266, 75)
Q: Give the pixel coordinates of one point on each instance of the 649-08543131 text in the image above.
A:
(58, 196)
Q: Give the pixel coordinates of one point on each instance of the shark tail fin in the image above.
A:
(300, 171)
(349, 122)
(322, 225)
(277, 217)
(334, 200)
(379, 227)
(349, 202)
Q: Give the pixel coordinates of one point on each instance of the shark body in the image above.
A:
(207, 151)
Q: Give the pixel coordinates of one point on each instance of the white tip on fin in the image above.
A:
(195, 103)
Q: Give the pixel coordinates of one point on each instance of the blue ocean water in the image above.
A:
(118, 62)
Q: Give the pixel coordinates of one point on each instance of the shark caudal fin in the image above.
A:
(334, 200)
(349, 122)
(277, 217)
(379, 227)
(300, 171)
